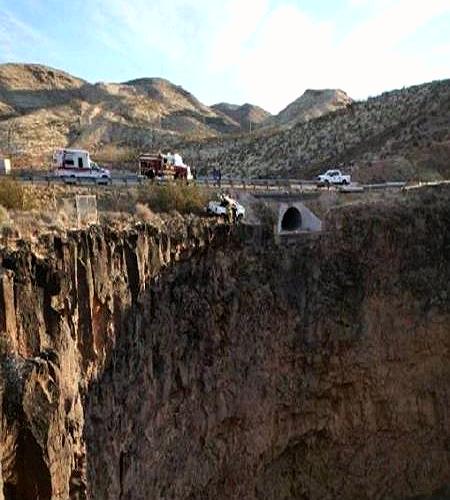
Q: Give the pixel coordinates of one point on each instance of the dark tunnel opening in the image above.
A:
(292, 220)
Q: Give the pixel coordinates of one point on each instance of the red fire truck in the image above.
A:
(164, 166)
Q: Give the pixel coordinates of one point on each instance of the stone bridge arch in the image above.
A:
(295, 217)
(291, 219)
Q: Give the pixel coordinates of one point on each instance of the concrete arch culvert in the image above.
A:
(291, 220)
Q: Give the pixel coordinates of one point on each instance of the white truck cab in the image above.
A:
(71, 164)
(333, 177)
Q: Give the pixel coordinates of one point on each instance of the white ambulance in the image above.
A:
(73, 164)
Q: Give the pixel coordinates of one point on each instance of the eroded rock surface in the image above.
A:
(203, 363)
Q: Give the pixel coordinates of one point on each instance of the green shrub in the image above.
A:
(13, 195)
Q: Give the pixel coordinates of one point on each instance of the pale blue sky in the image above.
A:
(262, 51)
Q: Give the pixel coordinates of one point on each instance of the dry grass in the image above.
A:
(171, 196)
(112, 154)
(182, 198)
(117, 220)
(31, 211)
(4, 217)
(33, 223)
(13, 195)
(159, 198)
(145, 214)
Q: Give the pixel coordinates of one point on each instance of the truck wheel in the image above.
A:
(344, 182)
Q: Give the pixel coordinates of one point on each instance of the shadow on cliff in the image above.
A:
(204, 357)
(24, 470)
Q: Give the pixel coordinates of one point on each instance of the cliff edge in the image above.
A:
(203, 363)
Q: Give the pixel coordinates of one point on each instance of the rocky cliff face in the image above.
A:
(203, 363)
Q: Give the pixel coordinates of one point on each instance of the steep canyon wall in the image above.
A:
(203, 362)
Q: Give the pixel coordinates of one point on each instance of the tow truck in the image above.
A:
(73, 164)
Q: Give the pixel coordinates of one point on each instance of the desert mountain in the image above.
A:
(402, 134)
(311, 104)
(42, 108)
(243, 115)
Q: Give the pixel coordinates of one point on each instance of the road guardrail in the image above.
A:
(129, 178)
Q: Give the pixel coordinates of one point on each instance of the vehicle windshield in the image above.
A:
(94, 166)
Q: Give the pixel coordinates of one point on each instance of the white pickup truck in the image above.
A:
(221, 207)
(333, 177)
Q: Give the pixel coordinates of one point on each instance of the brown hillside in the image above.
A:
(243, 115)
(311, 104)
(42, 108)
(402, 134)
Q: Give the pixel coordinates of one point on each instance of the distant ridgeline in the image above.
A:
(399, 135)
